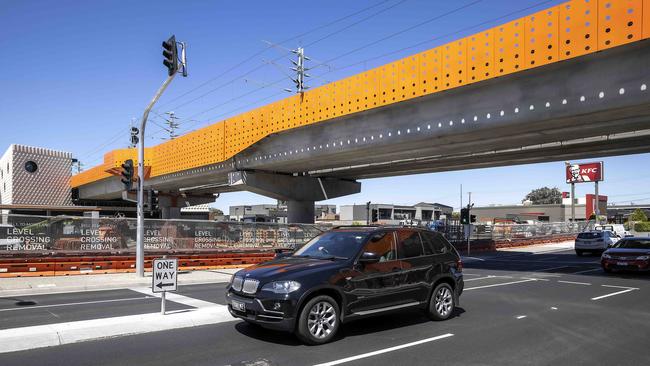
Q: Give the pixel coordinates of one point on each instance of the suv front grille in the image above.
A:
(237, 283)
(250, 286)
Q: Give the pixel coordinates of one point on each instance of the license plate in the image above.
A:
(621, 263)
(238, 305)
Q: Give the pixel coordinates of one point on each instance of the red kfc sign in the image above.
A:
(586, 172)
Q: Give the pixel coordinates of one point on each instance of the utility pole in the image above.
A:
(300, 69)
(171, 61)
(172, 125)
(573, 196)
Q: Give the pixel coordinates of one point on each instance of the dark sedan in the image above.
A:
(628, 254)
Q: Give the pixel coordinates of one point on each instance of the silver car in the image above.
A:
(596, 241)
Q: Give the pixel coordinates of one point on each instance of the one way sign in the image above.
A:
(164, 275)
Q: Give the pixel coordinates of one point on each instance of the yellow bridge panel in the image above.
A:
(578, 28)
(565, 31)
(542, 37)
(480, 56)
(619, 22)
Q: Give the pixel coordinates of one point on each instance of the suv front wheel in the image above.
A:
(318, 320)
(442, 302)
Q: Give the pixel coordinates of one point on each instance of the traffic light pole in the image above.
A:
(469, 225)
(139, 253)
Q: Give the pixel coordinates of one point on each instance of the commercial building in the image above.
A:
(584, 207)
(390, 214)
(35, 176)
(273, 212)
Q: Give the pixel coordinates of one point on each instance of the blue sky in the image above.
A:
(75, 74)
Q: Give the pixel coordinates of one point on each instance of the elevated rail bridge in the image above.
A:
(568, 82)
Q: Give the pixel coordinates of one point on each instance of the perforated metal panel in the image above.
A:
(619, 22)
(480, 56)
(408, 77)
(646, 19)
(388, 83)
(578, 28)
(431, 70)
(542, 37)
(510, 47)
(454, 64)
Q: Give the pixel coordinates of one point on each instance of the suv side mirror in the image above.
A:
(368, 258)
(282, 253)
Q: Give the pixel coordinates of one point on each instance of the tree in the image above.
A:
(638, 215)
(544, 195)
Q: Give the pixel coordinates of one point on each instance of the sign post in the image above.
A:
(165, 275)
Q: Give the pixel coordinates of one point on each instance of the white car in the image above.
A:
(617, 229)
(596, 241)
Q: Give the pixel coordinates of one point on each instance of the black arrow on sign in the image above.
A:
(161, 285)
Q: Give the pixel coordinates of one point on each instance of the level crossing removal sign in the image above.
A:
(164, 275)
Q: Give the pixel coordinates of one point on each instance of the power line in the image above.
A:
(256, 54)
(441, 36)
(438, 17)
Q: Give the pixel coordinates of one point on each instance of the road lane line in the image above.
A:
(521, 316)
(550, 269)
(535, 279)
(587, 271)
(575, 283)
(78, 303)
(499, 284)
(486, 277)
(386, 350)
(614, 294)
(625, 287)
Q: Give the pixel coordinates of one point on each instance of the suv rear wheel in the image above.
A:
(318, 320)
(442, 302)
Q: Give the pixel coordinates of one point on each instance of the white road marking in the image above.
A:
(576, 283)
(587, 271)
(78, 303)
(386, 350)
(521, 316)
(535, 279)
(625, 287)
(553, 308)
(501, 284)
(486, 277)
(551, 269)
(189, 301)
(612, 294)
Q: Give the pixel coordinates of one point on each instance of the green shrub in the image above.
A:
(642, 226)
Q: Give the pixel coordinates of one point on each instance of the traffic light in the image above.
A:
(472, 218)
(127, 174)
(374, 215)
(171, 55)
(464, 216)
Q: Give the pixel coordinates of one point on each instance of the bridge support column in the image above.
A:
(300, 212)
(299, 191)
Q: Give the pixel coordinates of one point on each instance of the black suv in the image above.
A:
(349, 273)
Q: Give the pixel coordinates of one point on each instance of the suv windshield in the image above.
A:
(633, 244)
(333, 244)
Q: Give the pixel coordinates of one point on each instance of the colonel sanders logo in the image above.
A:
(574, 170)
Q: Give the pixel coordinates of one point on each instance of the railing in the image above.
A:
(66, 234)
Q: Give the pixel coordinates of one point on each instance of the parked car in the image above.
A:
(628, 254)
(349, 273)
(617, 229)
(595, 241)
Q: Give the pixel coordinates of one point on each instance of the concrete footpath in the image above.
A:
(59, 284)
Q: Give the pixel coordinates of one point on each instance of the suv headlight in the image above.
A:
(643, 257)
(607, 256)
(281, 287)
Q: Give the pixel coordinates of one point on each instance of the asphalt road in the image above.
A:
(518, 309)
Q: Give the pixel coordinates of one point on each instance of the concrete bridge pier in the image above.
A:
(170, 203)
(300, 192)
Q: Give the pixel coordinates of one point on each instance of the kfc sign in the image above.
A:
(586, 172)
